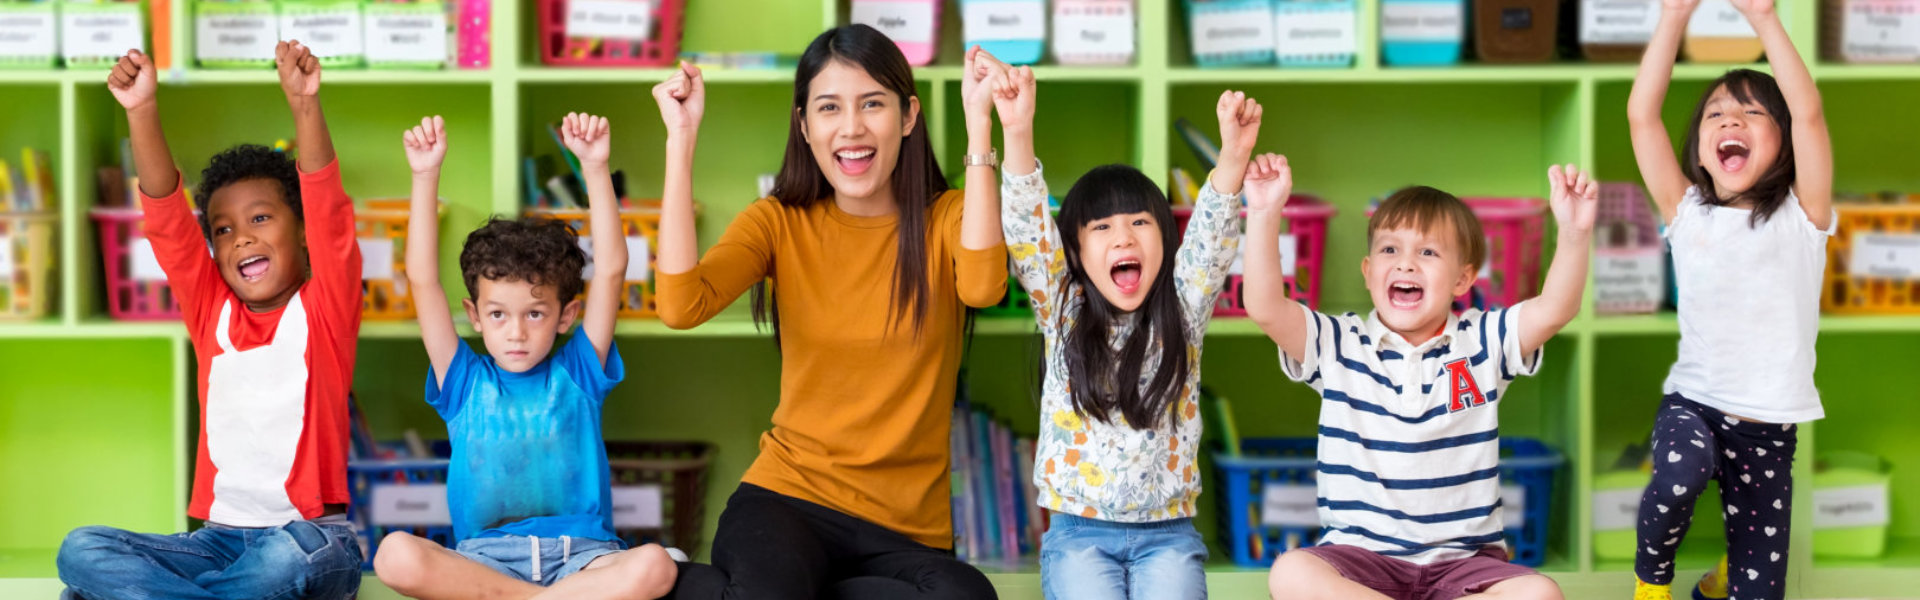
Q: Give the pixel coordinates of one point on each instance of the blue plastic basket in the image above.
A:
(1258, 12)
(364, 475)
(1398, 52)
(1524, 462)
(1014, 52)
(1347, 9)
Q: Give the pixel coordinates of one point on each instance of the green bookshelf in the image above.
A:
(117, 449)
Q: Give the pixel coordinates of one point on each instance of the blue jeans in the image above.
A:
(1088, 559)
(558, 557)
(301, 559)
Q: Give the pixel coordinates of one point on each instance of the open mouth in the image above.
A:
(1405, 295)
(854, 160)
(1126, 275)
(1733, 155)
(253, 268)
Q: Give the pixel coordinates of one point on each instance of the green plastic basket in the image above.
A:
(12, 13)
(137, 10)
(375, 11)
(351, 54)
(1856, 475)
(1616, 486)
(265, 15)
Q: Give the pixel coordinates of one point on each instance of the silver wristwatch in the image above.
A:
(991, 159)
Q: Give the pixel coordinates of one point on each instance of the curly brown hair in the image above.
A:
(538, 250)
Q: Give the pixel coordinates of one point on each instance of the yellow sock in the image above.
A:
(1714, 584)
(1647, 591)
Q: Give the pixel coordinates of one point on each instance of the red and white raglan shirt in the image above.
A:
(273, 385)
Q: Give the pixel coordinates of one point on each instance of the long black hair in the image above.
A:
(917, 180)
(1769, 192)
(1101, 379)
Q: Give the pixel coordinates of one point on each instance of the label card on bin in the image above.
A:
(1615, 510)
(1886, 255)
(329, 33)
(1719, 19)
(1851, 506)
(6, 257)
(1423, 21)
(637, 507)
(423, 504)
(141, 260)
(1314, 33)
(1231, 31)
(231, 36)
(1289, 253)
(902, 22)
(639, 259)
(1881, 30)
(1513, 505)
(1629, 278)
(1618, 21)
(1019, 20)
(27, 33)
(417, 37)
(1284, 505)
(613, 19)
(376, 258)
(1080, 33)
(89, 33)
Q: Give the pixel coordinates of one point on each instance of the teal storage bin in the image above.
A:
(235, 35)
(411, 35)
(33, 30)
(331, 28)
(1851, 505)
(97, 35)
(1228, 33)
(1316, 33)
(1015, 31)
(1422, 32)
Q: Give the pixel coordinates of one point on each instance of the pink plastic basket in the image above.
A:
(661, 47)
(913, 25)
(1514, 229)
(136, 289)
(1306, 218)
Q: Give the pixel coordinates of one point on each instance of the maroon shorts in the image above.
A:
(1402, 580)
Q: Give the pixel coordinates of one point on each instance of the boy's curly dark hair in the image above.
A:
(244, 162)
(538, 250)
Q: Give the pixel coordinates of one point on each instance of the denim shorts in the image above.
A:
(536, 560)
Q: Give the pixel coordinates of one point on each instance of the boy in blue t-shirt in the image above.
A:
(528, 488)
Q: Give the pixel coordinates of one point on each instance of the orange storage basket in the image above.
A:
(640, 225)
(1848, 293)
(381, 226)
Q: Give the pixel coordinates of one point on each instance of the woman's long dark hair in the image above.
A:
(1769, 192)
(1102, 380)
(917, 180)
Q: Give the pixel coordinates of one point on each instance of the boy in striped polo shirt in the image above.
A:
(1409, 451)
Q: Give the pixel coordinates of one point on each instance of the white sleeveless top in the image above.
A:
(1749, 309)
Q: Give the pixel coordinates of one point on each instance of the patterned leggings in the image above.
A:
(1694, 444)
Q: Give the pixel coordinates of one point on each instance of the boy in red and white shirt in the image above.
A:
(274, 314)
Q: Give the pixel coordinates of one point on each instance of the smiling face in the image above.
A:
(1738, 140)
(1423, 249)
(1121, 254)
(519, 321)
(854, 126)
(259, 245)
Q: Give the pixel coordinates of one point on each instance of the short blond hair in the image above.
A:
(1428, 210)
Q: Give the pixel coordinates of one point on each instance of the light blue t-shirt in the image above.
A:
(527, 453)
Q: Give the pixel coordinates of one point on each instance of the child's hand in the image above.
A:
(1575, 200)
(1269, 183)
(299, 69)
(1239, 124)
(1014, 98)
(132, 81)
(1754, 9)
(978, 74)
(587, 137)
(682, 99)
(426, 145)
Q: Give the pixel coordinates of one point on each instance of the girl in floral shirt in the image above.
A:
(1120, 412)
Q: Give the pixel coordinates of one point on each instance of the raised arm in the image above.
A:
(1652, 147)
(1212, 239)
(683, 101)
(300, 80)
(1269, 182)
(987, 81)
(1239, 130)
(588, 137)
(426, 146)
(133, 84)
(1575, 201)
(1812, 148)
